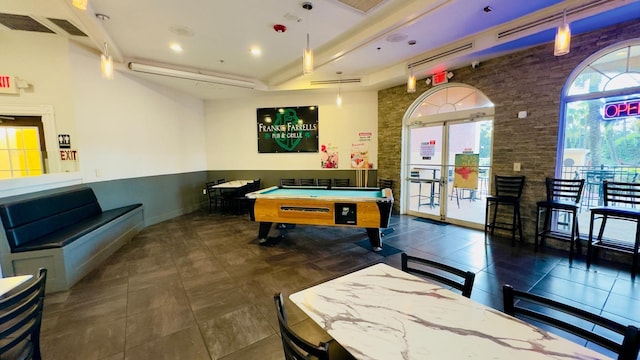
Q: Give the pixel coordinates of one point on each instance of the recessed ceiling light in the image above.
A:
(255, 51)
(176, 47)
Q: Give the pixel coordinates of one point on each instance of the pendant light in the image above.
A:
(563, 37)
(80, 4)
(307, 55)
(339, 97)
(106, 63)
(411, 82)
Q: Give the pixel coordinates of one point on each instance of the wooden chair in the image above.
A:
(569, 319)
(287, 182)
(563, 199)
(425, 267)
(307, 182)
(20, 320)
(341, 182)
(324, 182)
(508, 191)
(622, 202)
(297, 348)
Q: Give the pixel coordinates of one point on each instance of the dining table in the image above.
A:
(233, 184)
(383, 313)
(11, 282)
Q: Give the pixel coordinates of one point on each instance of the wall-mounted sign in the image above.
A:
(621, 109)
(440, 78)
(67, 155)
(8, 85)
(64, 141)
(287, 129)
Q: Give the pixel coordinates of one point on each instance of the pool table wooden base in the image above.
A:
(264, 239)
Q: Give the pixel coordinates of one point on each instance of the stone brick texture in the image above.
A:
(531, 80)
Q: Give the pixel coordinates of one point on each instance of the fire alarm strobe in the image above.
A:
(279, 28)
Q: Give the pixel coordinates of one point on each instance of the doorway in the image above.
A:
(448, 155)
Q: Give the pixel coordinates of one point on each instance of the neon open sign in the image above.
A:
(621, 109)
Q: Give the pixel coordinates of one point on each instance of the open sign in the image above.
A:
(621, 109)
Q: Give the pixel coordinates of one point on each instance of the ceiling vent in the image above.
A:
(336, 81)
(362, 5)
(441, 55)
(67, 26)
(22, 22)
(555, 18)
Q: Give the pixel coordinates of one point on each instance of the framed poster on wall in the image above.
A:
(287, 129)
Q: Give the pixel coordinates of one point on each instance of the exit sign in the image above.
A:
(440, 78)
(8, 84)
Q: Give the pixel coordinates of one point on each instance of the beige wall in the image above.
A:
(530, 80)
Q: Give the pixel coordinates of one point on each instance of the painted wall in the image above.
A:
(232, 133)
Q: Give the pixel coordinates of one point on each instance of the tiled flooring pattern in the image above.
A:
(199, 286)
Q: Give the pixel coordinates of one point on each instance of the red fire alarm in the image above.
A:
(279, 28)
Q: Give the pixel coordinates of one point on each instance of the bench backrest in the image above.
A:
(30, 219)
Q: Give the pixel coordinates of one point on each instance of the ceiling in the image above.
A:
(359, 44)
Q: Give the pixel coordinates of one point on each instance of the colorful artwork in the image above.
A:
(360, 156)
(329, 156)
(466, 171)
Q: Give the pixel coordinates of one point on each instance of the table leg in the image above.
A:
(374, 238)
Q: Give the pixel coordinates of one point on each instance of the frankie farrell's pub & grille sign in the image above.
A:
(287, 129)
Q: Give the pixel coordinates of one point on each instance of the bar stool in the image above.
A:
(563, 198)
(508, 192)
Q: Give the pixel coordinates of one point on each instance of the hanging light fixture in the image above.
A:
(563, 37)
(339, 97)
(80, 4)
(106, 63)
(307, 55)
(411, 82)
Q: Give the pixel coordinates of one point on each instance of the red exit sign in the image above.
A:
(5, 81)
(440, 78)
(621, 109)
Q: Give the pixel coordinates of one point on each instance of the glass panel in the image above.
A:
(12, 137)
(5, 164)
(34, 162)
(424, 168)
(3, 138)
(588, 81)
(613, 63)
(31, 138)
(634, 61)
(5, 174)
(623, 81)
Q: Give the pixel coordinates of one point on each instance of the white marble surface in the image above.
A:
(381, 312)
(233, 184)
(9, 283)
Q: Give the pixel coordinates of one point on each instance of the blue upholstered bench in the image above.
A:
(66, 232)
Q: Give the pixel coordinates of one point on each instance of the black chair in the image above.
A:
(622, 202)
(324, 182)
(307, 182)
(287, 182)
(341, 182)
(215, 198)
(563, 200)
(385, 183)
(297, 348)
(508, 192)
(569, 319)
(20, 320)
(425, 267)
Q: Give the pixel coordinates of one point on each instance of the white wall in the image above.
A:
(123, 128)
(231, 125)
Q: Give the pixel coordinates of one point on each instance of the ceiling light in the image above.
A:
(255, 51)
(307, 55)
(176, 47)
(188, 75)
(339, 97)
(563, 37)
(80, 4)
(106, 64)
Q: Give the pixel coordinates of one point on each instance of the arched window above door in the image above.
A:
(448, 98)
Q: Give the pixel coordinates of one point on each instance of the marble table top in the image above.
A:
(381, 312)
(233, 184)
(9, 283)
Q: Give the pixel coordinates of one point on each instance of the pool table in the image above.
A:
(368, 208)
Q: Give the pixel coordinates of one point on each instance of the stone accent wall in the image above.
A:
(529, 80)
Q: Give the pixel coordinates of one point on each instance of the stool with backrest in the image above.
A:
(385, 183)
(508, 192)
(548, 313)
(324, 182)
(307, 182)
(622, 202)
(562, 200)
(297, 348)
(287, 182)
(341, 182)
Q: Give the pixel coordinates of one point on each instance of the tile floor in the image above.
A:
(199, 287)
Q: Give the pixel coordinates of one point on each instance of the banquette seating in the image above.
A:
(65, 231)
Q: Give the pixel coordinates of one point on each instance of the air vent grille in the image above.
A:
(441, 55)
(336, 81)
(362, 5)
(555, 18)
(67, 26)
(22, 22)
